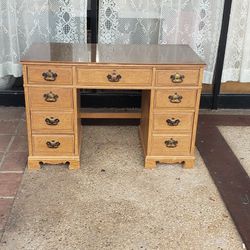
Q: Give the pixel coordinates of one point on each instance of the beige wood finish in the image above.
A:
(96, 76)
(64, 99)
(52, 122)
(66, 146)
(183, 98)
(190, 77)
(173, 121)
(63, 75)
(182, 148)
(144, 122)
(34, 162)
(169, 111)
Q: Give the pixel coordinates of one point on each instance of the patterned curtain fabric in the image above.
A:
(237, 58)
(193, 22)
(23, 22)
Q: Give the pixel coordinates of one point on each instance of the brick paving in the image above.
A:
(13, 158)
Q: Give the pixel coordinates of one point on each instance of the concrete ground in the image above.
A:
(113, 203)
(238, 138)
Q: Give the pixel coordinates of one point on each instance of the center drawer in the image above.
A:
(53, 145)
(52, 121)
(114, 76)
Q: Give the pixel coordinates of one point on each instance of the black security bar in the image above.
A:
(221, 53)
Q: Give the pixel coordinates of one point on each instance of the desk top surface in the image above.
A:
(111, 54)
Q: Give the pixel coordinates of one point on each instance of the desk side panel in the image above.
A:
(27, 109)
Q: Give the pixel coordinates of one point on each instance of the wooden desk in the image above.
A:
(170, 79)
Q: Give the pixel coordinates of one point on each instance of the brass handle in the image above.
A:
(175, 98)
(52, 121)
(177, 78)
(114, 77)
(49, 76)
(53, 144)
(50, 97)
(173, 122)
(171, 143)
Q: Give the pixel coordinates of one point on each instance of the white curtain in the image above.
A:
(237, 58)
(193, 22)
(23, 22)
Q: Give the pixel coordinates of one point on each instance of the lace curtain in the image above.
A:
(23, 22)
(193, 22)
(237, 58)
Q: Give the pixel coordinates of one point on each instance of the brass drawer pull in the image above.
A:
(52, 121)
(177, 78)
(171, 143)
(49, 76)
(50, 97)
(173, 122)
(53, 144)
(114, 77)
(175, 98)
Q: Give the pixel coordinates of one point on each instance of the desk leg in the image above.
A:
(74, 165)
(150, 164)
(188, 164)
(34, 165)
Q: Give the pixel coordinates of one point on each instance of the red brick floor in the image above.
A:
(13, 158)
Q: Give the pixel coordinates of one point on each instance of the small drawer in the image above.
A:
(53, 145)
(50, 98)
(175, 98)
(114, 76)
(50, 75)
(177, 77)
(173, 121)
(164, 145)
(52, 122)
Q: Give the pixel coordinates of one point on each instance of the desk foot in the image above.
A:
(150, 164)
(74, 164)
(188, 164)
(34, 165)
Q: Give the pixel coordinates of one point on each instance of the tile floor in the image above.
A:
(13, 158)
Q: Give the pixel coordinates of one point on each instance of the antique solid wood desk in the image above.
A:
(169, 77)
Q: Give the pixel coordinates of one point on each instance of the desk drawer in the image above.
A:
(49, 74)
(113, 76)
(177, 77)
(164, 145)
(173, 121)
(53, 145)
(50, 98)
(175, 98)
(52, 121)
